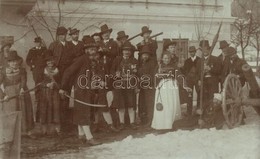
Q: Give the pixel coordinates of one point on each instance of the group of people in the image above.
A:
(102, 77)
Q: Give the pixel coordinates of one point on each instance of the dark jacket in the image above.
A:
(214, 63)
(36, 58)
(78, 72)
(236, 68)
(76, 50)
(147, 68)
(190, 69)
(62, 55)
(122, 65)
(110, 49)
(152, 45)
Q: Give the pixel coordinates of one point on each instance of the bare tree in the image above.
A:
(255, 42)
(245, 26)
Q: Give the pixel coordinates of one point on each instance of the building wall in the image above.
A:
(176, 18)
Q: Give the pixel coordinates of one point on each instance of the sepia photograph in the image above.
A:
(129, 79)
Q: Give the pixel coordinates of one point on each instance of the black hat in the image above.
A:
(89, 42)
(204, 43)
(231, 51)
(4, 44)
(192, 49)
(127, 46)
(95, 34)
(61, 31)
(223, 44)
(48, 55)
(37, 40)
(12, 55)
(168, 42)
(104, 28)
(145, 50)
(145, 29)
(121, 34)
(73, 31)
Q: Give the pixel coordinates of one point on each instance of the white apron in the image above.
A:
(167, 93)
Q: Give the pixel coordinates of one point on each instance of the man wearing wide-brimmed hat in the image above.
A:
(146, 33)
(146, 71)
(108, 46)
(189, 69)
(223, 45)
(121, 39)
(211, 72)
(235, 65)
(35, 60)
(123, 67)
(81, 73)
(76, 46)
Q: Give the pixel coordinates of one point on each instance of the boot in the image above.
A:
(121, 126)
(93, 142)
(112, 128)
(133, 126)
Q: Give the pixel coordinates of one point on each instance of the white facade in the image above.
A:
(175, 18)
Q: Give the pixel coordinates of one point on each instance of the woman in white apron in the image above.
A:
(167, 103)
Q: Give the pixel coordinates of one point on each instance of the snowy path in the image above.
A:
(239, 143)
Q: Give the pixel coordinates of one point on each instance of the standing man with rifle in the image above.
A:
(147, 40)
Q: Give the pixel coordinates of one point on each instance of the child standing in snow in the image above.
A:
(50, 99)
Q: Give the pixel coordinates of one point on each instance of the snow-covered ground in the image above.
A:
(239, 143)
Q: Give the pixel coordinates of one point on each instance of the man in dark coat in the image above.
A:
(235, 65)
(100, 70)
(108, 46)
(223, 45)
(211, 71)
(124, 69)
(76, 46)
(224, 59)
(63, 59)
(190, 69)
(146, 73)
(81, 72)
(36, 61)
(152, 44)
(121, 39)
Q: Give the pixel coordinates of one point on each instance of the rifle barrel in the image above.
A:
(156, 35)
(133, 37)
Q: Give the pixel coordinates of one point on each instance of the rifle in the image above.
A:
(153, 36)
(134, 37)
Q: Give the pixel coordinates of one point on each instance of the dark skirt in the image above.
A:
(124, 98)
(81, 112)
